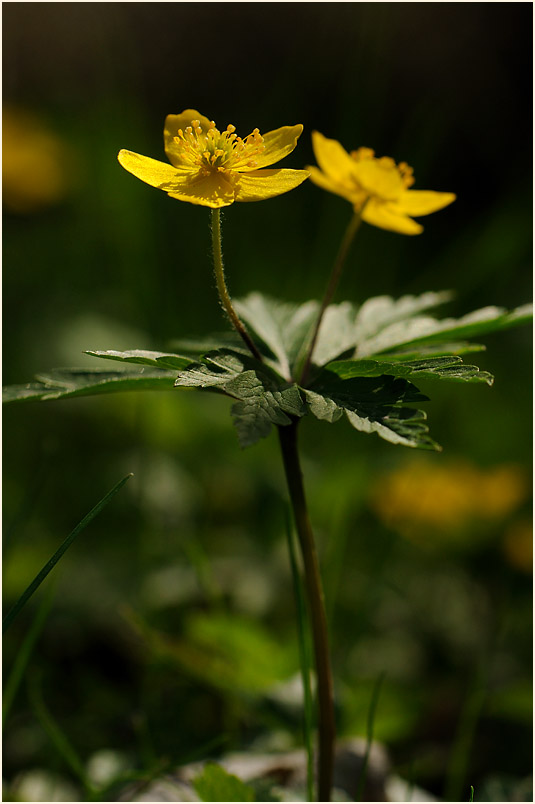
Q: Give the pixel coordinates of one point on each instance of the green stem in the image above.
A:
(316, 605)
(222, 289)
(336, 272)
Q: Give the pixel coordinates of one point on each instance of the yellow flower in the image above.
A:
(215, 169)
(377, 188)
(37, 166)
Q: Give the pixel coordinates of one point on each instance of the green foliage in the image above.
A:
(286, 329)
(215, 784)
(232, 653)
(372, 405)
(62, 383)
(263, 397)
(361, 364)
(145, 358)
(432, 368)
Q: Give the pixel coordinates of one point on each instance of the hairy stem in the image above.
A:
(222, 289)
(336, 273)
(316, 605)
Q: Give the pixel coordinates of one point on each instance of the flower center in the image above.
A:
(211, 150)
(386, 163)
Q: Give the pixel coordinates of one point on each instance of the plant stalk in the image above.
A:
(222, 289)
(316, 605)
(336, 272)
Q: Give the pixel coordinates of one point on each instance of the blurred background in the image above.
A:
(170, 634)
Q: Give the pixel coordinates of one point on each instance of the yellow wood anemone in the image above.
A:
(377, 188)
(214, 168)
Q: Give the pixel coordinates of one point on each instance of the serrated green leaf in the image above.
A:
(381, 311)
(433, 350)
(157, 359)
(373, 391)
(197, 347)
(426, 330)
(372, 405)
(220, 366)
(214, 783)
(450, 367)
(284, 328)
(344, 325)
(337, 333)
(404, 426)
(263, 397)
(63, 383)
(322, 407)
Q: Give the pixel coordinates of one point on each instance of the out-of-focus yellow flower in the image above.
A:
(425, 501)
(518, 545)
(214, 168)
(36, 168)
(377, 188)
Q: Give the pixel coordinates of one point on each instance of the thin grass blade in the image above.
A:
(305, 658)
(23, 656)
(57, 736)
(369, 734)
(51, 563)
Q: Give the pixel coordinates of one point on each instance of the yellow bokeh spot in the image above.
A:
(36, 169)
(427, 502)
(518, 545)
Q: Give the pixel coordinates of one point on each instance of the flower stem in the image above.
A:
(336, 273)
(222, 289)
(316, 605)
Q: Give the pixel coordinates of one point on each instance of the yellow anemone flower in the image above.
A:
(377, 188)
(215, 169)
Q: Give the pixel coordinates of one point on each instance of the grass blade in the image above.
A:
(369, 735)
(58, 738)
(51, 563)
(305, 659)
(23, 656)
(464, 740)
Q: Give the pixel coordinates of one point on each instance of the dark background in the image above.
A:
(94, 259)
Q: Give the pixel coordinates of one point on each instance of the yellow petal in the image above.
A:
(277, 144)
(157, 174)
(379, 178)
(333, 159)
(323, 181)
(422, 202)
(381, 214)
(172, 123)
(262, 184)
(211, 190)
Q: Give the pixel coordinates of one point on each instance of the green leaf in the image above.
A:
(200, 346)
(394, 328)
(284, 328)
(433, 350)
(344, 325)
(322, 407)
(404, 426)
(216, 784)
(259, 408)
(62, 383)
(157, 359)
(450, 367)
(424, 330)
(263, 397)
(372, 405)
